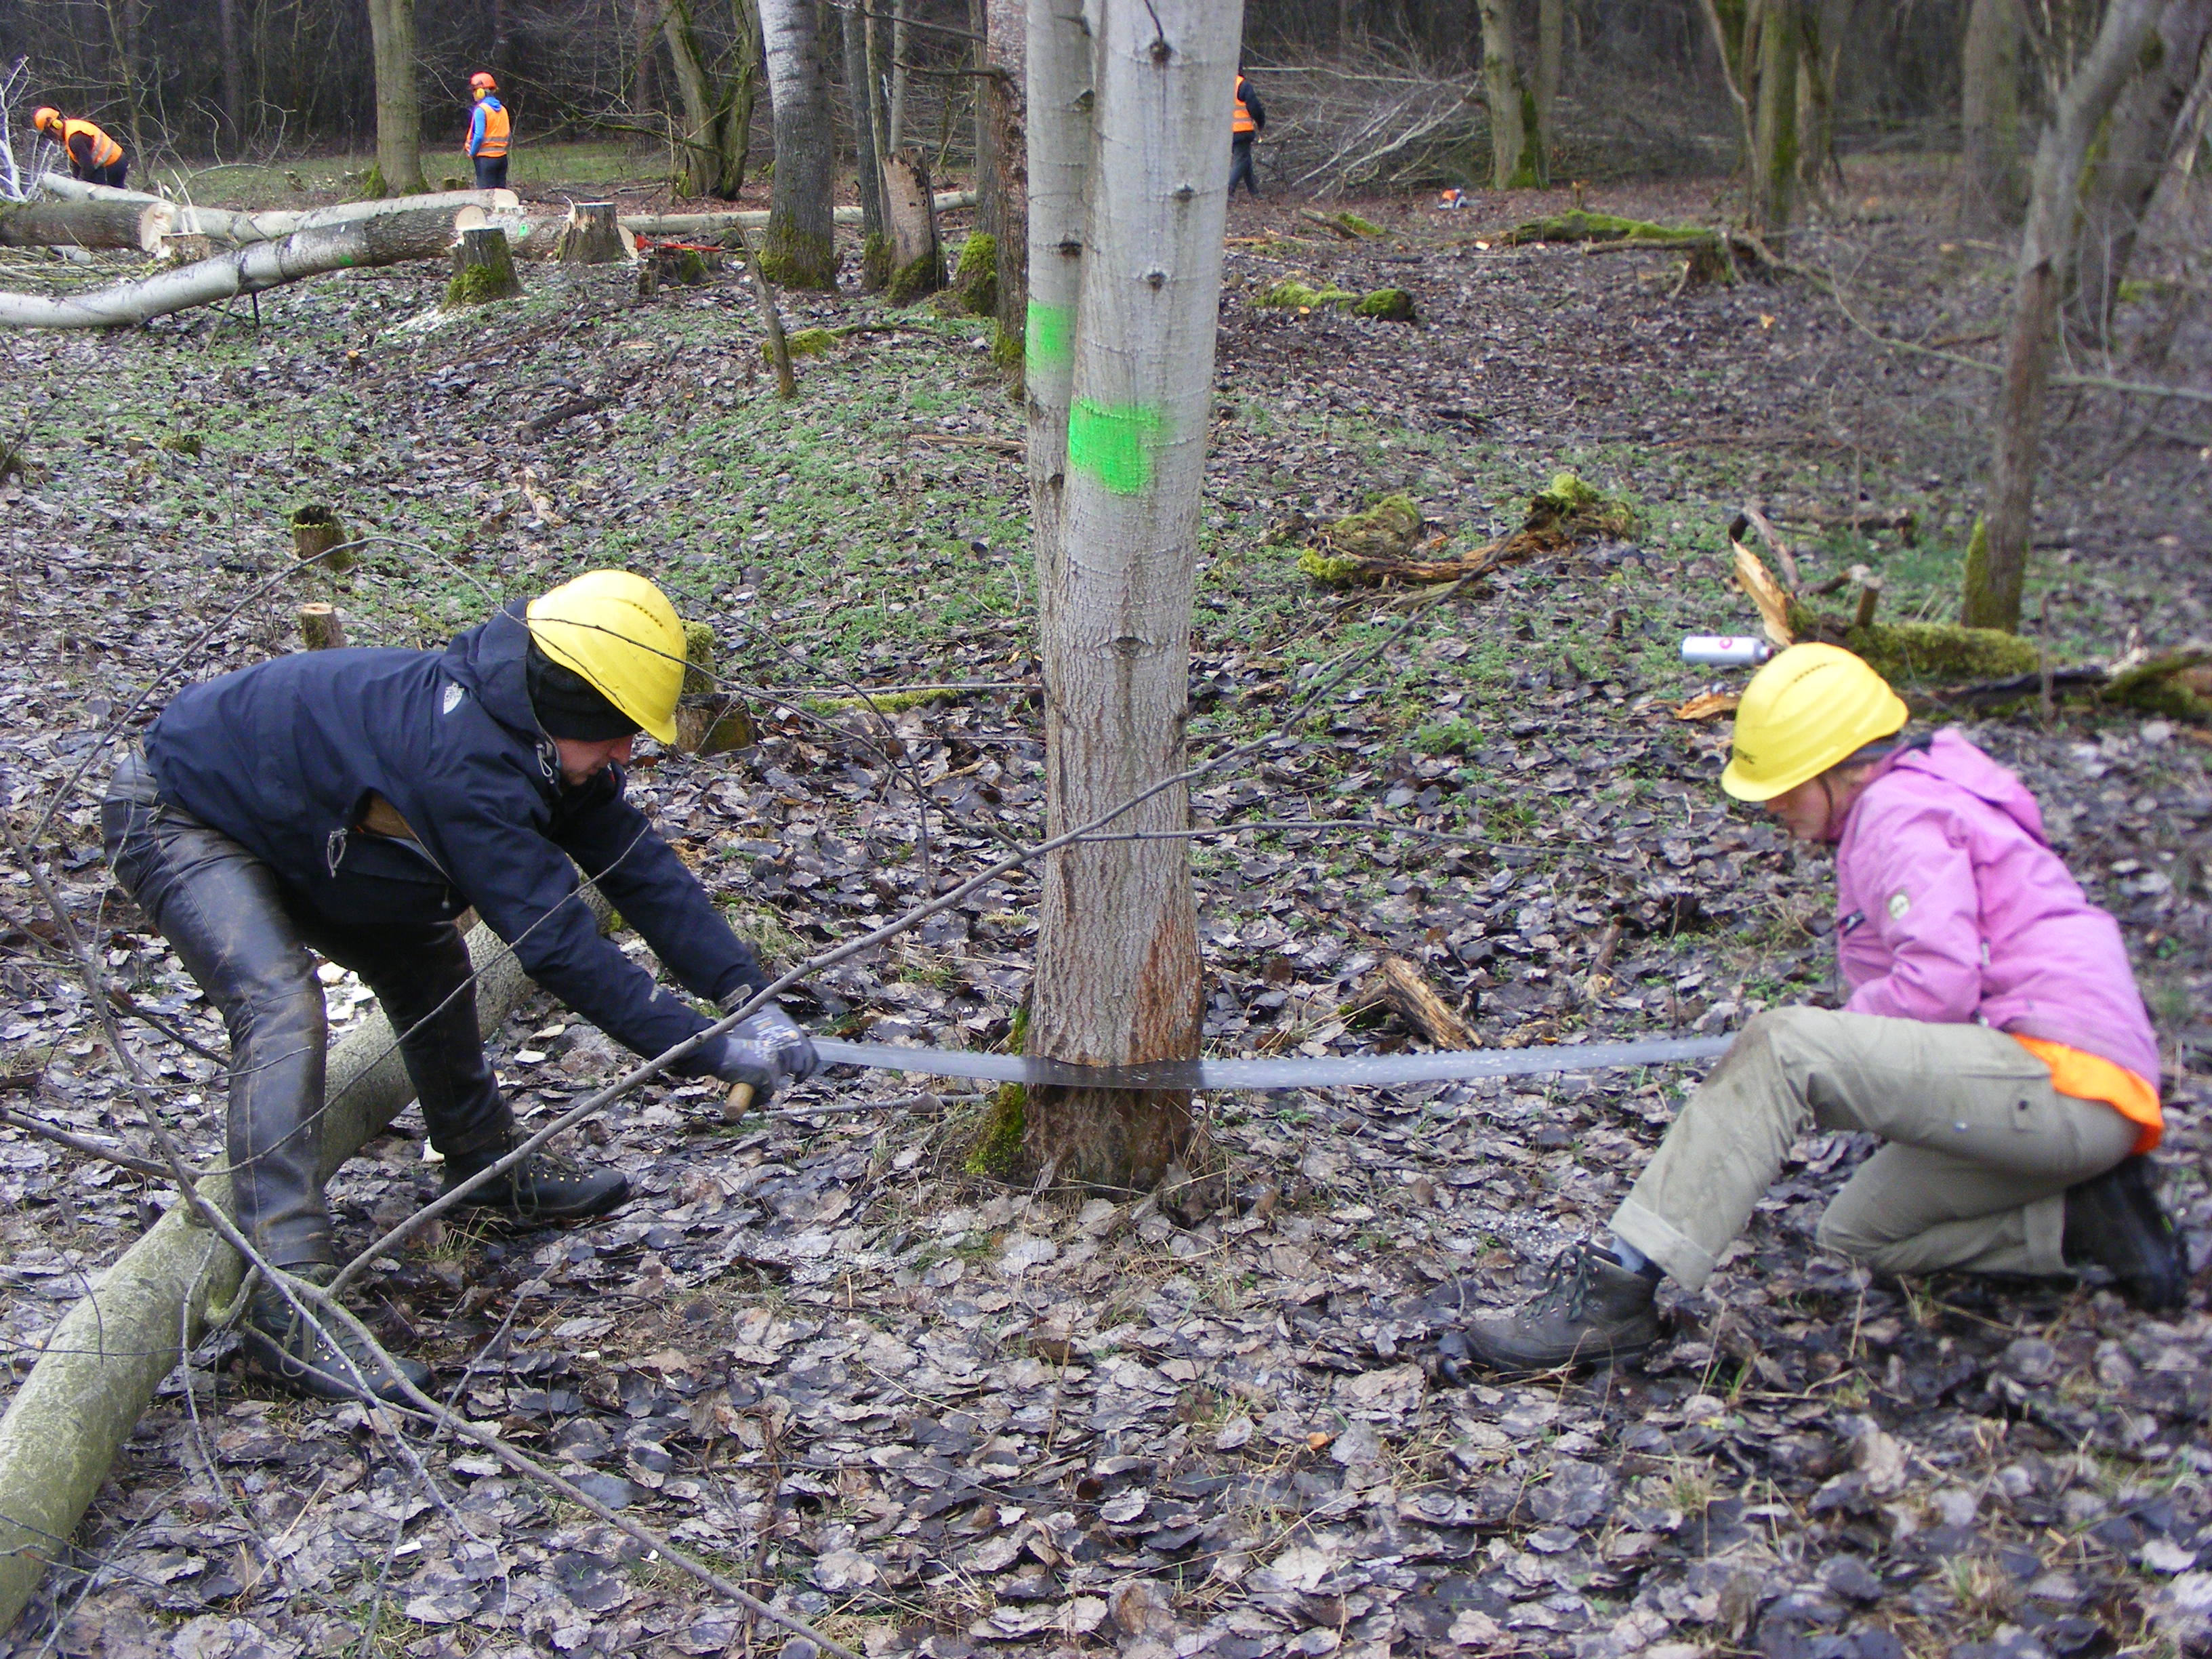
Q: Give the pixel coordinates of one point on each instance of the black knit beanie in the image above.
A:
(569, 706)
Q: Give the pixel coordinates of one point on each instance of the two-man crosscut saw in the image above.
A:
(1330, 1071)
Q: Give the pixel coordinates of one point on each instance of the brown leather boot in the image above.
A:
(1590, 1309)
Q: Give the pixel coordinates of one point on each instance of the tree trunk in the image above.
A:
(1512, 150)
(590, 237)
(1770, 51)
(1061, 84)
(484, 270)
(1118, 971)
(1550, 49)
(917, 258)
(901, 47)
(645, 37)
(389, 240)
(398, 169)
(867, 154)
(718, 113)
(2132, 155)
(798, 249)
(1002, 171)
(102, 1364)
(1991, 191)
(234, 70)
(1993, 584)
(83, 224)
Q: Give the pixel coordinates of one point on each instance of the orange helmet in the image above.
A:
(482, 81)
(44, 117)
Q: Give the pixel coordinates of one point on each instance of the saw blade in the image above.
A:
(1329, 1072)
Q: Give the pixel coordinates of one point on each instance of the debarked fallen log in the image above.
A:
(389, 240)
(714, 224)
(99, 1366)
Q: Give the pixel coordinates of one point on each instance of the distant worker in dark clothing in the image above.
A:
(488, 132)
(93, 157)
(1248, 121)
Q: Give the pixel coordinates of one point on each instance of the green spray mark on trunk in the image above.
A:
(1051, 336)
(1114, 445)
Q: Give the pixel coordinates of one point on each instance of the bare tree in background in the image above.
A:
(1118, 970)
(716, 82)
(798, 249)
(1997, 564)
(1761, 43)
(1001, 168)
(1992, 189)
(1513, 112)
(398, 169)
(868, 151)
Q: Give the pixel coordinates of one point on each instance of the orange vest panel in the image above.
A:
(1242, 121)
(495, 135)
(105, 152)
(2091, 1077)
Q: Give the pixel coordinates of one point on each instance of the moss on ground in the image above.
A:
(918, 276)
(1292, 295)
(1384, 530)
(807, 343)
(1577, 226)
(476, 285)
(1567, 503)
(1391, 305)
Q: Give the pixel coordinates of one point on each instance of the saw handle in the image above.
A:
(740, 1102)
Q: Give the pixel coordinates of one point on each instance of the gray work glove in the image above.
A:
(766, 1051)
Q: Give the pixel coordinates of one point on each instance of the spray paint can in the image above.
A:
(1725, 651)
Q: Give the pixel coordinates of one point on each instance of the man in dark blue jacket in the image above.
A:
(354, 803)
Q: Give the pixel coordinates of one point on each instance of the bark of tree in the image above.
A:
(917, 257)
(234, 68)
(1061, 84)
(1513, 164)
(103, 1361)
(1994, 582)
(901, 46)
(1118, 971)
(83, 224)
(398, 169)
(2141, 141)
(391, 239)
(1002, 171)
(1550, 52)
(1772, 48)
(484, 270)
(1991, 191)
(797, 250)
(717, 106)
(867, 153)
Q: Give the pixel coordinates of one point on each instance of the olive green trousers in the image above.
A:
(1981, 1148)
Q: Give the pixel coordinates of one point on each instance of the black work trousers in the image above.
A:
(245, 940)
(491, 171)
(1240, 164)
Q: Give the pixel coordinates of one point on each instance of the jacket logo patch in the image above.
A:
(453, 695)
(1850, 923)
(1899, 904)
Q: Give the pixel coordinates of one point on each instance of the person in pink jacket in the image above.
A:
(1994, 1038)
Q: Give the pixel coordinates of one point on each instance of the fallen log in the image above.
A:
(82, 224)
(242, 226)
(63, 188)
(389, 240)
(714, 224)
(102, 1364)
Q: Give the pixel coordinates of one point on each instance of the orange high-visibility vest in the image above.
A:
(495, 134)
(1242, 121)
(105, 152)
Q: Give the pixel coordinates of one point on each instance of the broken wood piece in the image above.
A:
(322, 627)
(591, 236)
(1752, 577)
(567, 411)
(1707, 704)
(1013, 446)
(1869, 597)
(1400, 985)
(1782, 555)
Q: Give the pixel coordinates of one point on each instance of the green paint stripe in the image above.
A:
(1051, 331)
(1114, 445)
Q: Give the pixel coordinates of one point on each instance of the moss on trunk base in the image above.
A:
(976, 277)
(997, 1153)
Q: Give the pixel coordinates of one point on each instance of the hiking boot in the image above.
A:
(543, 1188)
(2113, 1221)
(1589, 1309)
(282, 1348)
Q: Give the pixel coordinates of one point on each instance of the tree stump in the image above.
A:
(483, 269)
(917, 259)
(319, 538)
(322, 627)
(591, 237)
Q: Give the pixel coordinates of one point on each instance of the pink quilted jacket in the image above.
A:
(1951, 906)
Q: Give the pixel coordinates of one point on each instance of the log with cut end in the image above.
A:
(389, 240)
(82, 224)
(591, 237)
(100, 1364)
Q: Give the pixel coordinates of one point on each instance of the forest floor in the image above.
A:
(927, 1413)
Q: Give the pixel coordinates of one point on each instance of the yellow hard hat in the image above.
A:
(1810, 708)
(622, 634)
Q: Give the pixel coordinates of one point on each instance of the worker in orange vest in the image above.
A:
(488, 132)
(93, 156)
(1247, 122)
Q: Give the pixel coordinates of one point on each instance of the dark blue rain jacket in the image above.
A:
(284, 757)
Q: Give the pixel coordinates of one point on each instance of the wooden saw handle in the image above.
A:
(740, 1102)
